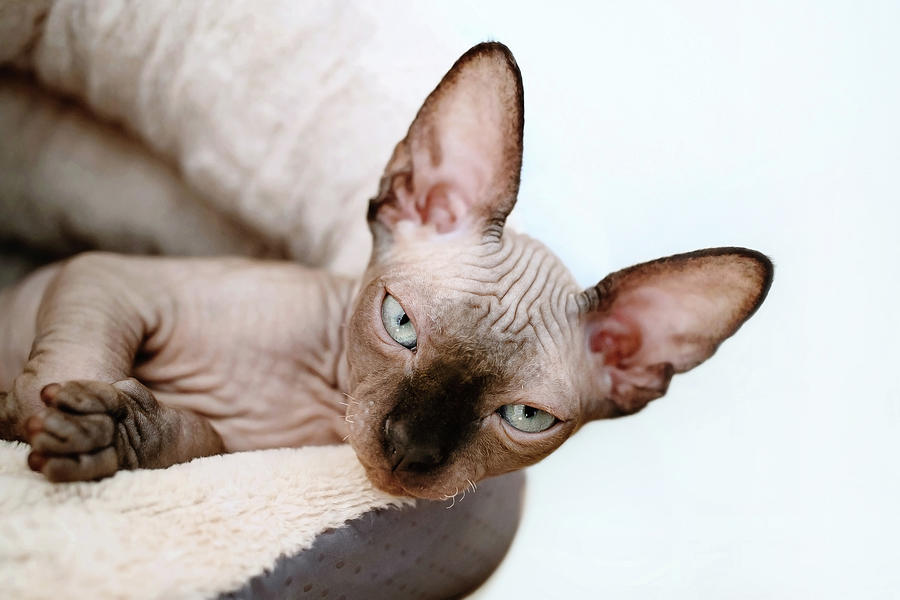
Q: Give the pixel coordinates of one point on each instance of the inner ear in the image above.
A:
(459, 165)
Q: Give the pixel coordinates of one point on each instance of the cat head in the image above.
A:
(471, 349)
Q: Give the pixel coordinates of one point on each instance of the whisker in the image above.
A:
(456, 491)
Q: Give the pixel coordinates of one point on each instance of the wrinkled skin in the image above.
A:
(148, 362)
(185, 357)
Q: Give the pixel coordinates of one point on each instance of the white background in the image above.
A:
(656, 128)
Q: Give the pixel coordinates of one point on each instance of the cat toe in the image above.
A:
(75, 467)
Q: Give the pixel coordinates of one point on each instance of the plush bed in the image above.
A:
(287, 523)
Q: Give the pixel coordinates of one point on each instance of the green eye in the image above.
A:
(397, 323)
(527, 418)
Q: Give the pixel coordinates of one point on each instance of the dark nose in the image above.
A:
(408, 452)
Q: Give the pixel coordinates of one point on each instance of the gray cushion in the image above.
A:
(426, 551)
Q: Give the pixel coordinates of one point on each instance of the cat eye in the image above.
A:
(397, 323)
(527, 418)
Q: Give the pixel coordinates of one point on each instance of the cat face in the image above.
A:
(472, 351)
(450, 377)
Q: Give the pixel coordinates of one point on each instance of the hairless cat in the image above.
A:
(465, 350)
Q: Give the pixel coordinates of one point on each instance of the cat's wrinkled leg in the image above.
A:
(74, 399)
(92, 429)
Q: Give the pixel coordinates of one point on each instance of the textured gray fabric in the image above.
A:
(428, 551)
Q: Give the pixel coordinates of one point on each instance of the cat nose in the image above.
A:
(406, 453)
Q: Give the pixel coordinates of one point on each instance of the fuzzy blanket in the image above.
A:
(219, 126)
(190, 531)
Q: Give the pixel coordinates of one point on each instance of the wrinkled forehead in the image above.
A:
(465, 327)
(501, 303)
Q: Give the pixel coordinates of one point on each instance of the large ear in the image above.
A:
(646, 323)
(458, 167)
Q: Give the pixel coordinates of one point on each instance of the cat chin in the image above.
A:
(388, 482)
(412, 485)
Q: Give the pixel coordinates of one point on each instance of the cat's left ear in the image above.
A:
(458, 167)
(644, 324)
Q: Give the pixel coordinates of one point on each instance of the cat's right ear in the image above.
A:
(646, 323)
(457, 169)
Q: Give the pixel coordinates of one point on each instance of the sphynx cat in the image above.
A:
(466, 350)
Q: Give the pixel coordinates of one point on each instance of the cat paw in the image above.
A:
(90, 430)
(8, 414)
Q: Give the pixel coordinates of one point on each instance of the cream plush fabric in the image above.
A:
(278, 115)
(70, 182)
(190, 531)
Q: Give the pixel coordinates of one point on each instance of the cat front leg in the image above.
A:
(75, 400)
